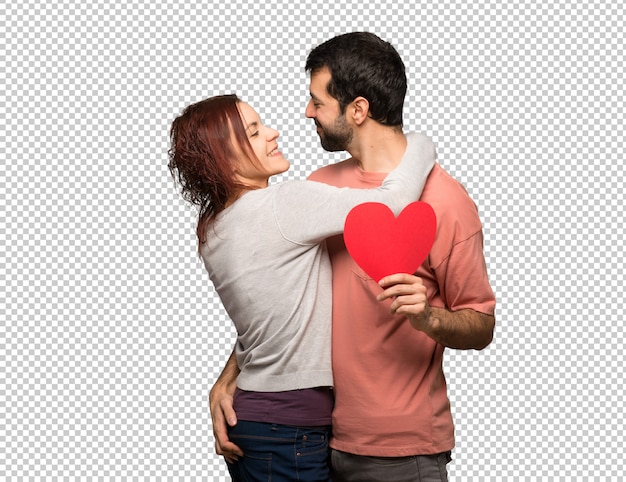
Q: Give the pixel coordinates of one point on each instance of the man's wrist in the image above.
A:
(219, 389)
(425, 320)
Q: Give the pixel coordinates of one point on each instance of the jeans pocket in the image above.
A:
(312, 442)
(252, 466)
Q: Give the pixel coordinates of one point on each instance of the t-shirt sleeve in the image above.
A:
(462, 277)
(308, 212)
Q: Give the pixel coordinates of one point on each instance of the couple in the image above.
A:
(269, 252)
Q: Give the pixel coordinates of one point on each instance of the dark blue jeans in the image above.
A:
(280, 453)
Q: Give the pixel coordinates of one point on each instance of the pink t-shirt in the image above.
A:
(390, 391)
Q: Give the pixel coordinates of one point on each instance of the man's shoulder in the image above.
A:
(442, 187)
(333, 173)
(450, 200)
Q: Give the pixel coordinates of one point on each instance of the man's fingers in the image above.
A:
(410, 309)
(229, 413)
(397, 278)
(228, 450)
(402, 290)
(223, 415)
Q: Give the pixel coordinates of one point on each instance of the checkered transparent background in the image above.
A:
(110, 332)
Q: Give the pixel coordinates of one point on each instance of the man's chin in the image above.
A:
(331, 147)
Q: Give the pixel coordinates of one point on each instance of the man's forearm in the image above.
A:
(464, 329)
(227, 380)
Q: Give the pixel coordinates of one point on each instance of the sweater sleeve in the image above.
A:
(308, 212)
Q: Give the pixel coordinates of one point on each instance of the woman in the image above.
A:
(264, 252)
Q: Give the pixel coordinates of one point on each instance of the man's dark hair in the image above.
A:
(362, 64)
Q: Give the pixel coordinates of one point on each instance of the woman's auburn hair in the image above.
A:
(202, 158)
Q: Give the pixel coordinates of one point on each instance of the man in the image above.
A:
(392, 419)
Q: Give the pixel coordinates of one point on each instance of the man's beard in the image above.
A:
(337, 137)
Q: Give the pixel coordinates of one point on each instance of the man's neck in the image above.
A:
(379, 150)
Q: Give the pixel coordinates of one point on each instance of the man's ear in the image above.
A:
(360, 108)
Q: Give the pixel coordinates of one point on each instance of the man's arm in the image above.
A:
(222, 412)
(463, 329)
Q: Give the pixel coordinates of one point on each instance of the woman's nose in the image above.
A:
(272, 134)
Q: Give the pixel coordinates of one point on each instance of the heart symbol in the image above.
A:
(382, 244)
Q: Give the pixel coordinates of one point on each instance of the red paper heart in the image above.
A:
(382, 244)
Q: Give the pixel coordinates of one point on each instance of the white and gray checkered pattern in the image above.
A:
(110, 333)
